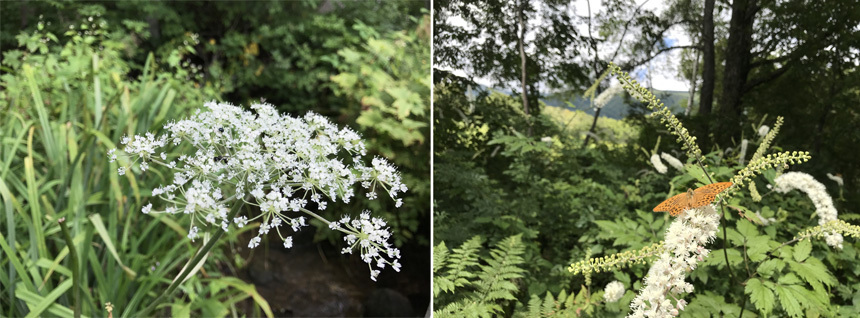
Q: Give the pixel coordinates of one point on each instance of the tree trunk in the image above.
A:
(522, 39)
(737, 64)
(706, 100)
(693, 85)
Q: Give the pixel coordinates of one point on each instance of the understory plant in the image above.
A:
(775, 277)
(225, 157)
(74, 241)
(740, 255)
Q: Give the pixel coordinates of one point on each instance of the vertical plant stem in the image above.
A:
(73, 255)
(190, 267)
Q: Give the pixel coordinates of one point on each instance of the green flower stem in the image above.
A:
(73, 255)
(197, 258)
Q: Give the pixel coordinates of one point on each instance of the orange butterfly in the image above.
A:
(692, 198)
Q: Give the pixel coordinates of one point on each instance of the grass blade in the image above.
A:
(102, 231)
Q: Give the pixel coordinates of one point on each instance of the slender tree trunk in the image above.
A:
(591, 131)
(522, 39)
(706, 98)
(693, 85)
(737, 63)
(597, 72)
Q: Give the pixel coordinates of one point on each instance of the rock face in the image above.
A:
(315, 280)
(301, 283)
(386, 302)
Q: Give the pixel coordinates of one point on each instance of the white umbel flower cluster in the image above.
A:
(658, 165)
(613, 291)
(685, 245)
(818, 193)
(371, 236)
(287, 166)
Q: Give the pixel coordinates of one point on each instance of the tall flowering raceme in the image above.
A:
(674, 162)
(287, 166)
(658, 164)
(684, 248)
(818, 193)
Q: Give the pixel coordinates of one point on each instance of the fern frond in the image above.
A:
(502, 267)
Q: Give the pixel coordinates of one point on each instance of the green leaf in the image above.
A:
(813, 271)
(761, 296)
(250, 290)
(36, 309)
(100, 228)
(788, 301)
(802, 250)
(181, 310)
(769, 267)
(757, 247)
(788, 279)
(747, 229)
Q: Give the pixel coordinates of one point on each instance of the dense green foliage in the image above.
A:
(502, 170)
(76, 77)
(571, 203)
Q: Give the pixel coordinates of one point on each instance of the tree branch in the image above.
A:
(633, 64)
(766, 78)
(626, 27)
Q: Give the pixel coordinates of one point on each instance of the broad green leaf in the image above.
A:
(769, 267)
(761, 296)
(788, 279)
(788, 301)
(747, 229)
(802, 250)
(757, 247)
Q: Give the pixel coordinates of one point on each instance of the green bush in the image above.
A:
(65, 100)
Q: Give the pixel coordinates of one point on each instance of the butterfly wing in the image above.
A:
(674, 205)
(706, 194)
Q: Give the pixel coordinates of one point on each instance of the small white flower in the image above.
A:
(192, 234)
(147, 208)
(121, 171)
(613, 291)
(288, 242)
(240, 221)
(255, 241)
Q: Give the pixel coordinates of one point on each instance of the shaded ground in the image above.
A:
(315, 280)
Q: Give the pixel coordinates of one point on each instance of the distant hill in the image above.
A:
(617, 108)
